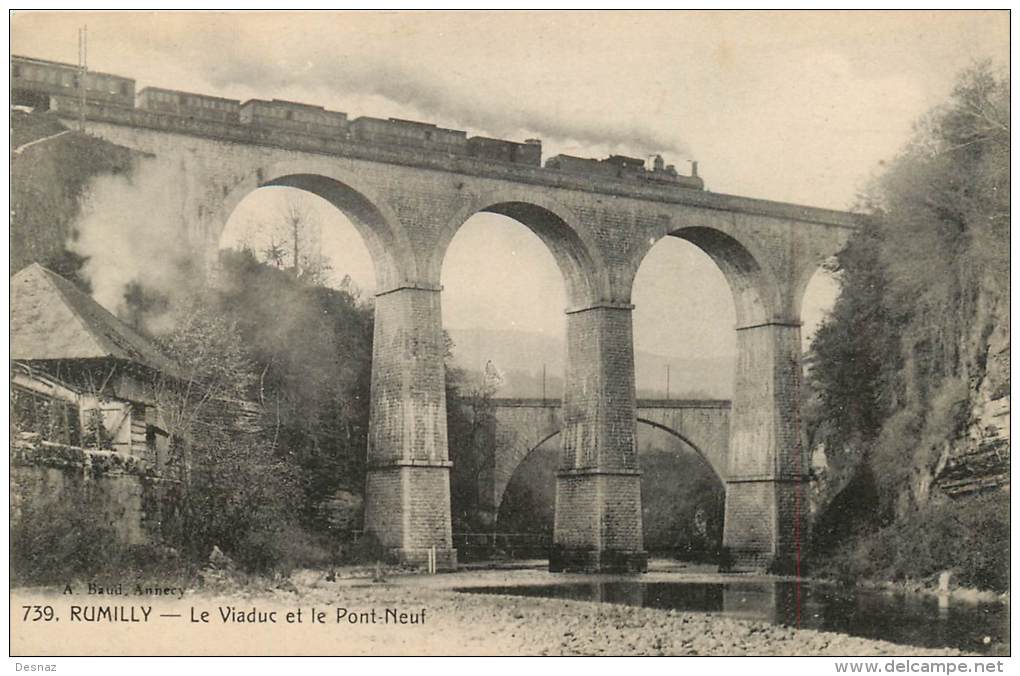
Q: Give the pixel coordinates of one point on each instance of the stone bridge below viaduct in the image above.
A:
(409, 203)
(522, 425)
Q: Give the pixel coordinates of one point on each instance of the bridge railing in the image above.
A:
(475, 546)
(512, 545)
(551, 402)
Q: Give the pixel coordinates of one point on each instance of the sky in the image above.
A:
(791, 106)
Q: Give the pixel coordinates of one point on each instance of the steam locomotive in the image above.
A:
(36, 82)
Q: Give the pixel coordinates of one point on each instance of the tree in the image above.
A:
(312, 350)
(924, 282)
(237, 493)
(275, 254)
(212, 369)
(96, 435)
(290, 238)
(471, 425)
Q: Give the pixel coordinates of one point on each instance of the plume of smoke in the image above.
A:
(130, 230)
(435, 99)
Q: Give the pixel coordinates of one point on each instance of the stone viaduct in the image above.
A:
(408, 204)
(522, 425)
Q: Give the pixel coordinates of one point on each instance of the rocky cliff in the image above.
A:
(978, 458)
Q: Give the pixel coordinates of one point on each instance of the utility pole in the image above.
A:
(83, 69)
(667, 381)
(543, 382)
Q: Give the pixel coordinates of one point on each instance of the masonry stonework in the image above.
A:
(408, 204)
(131, 507)
(599, 475)
(408, 482)
(522, 425)
(763, 521)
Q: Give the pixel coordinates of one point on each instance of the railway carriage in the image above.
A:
(500, 150)
(293, 116)
(408, 133)
(34, 81)
(188, 104)
(44, 84)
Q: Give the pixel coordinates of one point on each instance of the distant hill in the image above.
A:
(519, 355)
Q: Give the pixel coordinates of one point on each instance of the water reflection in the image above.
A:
(911, 619)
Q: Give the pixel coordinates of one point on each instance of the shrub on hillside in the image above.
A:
(281, 550)
(240, 497)
(969, 537)
(365, 550)
(60, 541)
(924, 283)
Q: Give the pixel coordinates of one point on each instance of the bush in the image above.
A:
(59, 541)
(853, 510)
(155, 562)
(365, 550)
(240, 498)
(280, 551)
(254, 477)
(969, 537)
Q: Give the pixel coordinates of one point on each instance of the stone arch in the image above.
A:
(368, 212)
(811, 267)
(697, 449)
(535, 447)
(503, 485)
(574, 252)
(745, 265)
(755, 296)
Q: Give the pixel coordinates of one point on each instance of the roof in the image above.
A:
(15, 58)
(52, 319)
(285, 103)
(164, 90)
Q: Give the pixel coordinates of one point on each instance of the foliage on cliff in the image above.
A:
(312, 347)
(293, 359)
(898, 368)
(269, 416)
(970, 538)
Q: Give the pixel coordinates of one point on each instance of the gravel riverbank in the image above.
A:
(423, 615)
(482, 624)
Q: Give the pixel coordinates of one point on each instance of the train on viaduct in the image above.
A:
(408, 187)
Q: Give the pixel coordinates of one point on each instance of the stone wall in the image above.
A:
(120, 498)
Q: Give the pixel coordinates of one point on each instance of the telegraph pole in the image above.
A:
(83, 69)
(667, 381)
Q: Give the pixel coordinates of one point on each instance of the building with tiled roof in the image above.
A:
(75, 363)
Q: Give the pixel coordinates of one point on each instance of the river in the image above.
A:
(905, 618)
